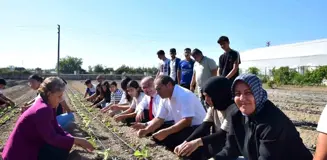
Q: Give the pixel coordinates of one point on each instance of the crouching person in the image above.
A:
(259, 129)
(134, 90)
(185, 109)
(218, 96)
(37, 134)
(4, 101)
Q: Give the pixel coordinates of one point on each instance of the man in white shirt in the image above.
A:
(185, 109)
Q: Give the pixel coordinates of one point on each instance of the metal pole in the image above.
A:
(58, 50)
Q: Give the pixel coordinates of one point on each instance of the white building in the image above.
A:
(300, 56)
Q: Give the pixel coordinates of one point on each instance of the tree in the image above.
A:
(108, 70)
(90, 69)
(70, 64)
(98, 68)
(253, 70)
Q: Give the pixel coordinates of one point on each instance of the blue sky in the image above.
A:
(116, 32)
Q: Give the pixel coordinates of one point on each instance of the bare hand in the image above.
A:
(189, 147)
(160, 135)
(114, 107)
(140, 116)
(119, 117)
(142, 133)
(84, 144)
(178, 148)
(192, 88)
(138, 126)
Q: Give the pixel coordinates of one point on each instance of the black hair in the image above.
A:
(124, 82)
(113, 83)
(161, 52)
(88, 81)
(3, 81)
(172, 50)
(187, 50)
(36, 77)
(223, 39)
(107, 85)
(163, 79)
(63, 80)
(196, 52)
(136, 85)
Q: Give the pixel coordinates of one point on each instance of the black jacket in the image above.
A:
(267, 135)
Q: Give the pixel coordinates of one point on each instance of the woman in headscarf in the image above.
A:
(260, 130)
(218, 96)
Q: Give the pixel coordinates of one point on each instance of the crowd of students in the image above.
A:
(229, 118)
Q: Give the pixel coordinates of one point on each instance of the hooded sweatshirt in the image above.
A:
(266, 134)
(218, 89)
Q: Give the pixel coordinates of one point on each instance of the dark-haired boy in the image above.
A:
(229, 61)
(4, 101)
(90, 89)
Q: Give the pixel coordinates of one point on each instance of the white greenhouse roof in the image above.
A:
(295, 50)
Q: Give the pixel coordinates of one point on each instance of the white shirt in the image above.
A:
(164, 67)
(1, 91)
(221, 119)
(172, 69)
(137, 100)
(183, 104)
(144, 104)
(123, 99)
(322, 124)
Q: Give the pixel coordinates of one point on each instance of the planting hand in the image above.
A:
(84, 144)
(160, 135)
(178, 148)
(140, 116)
(114, 107)
(119, 117)
(142, 133)
(189, 147)
(138, 126)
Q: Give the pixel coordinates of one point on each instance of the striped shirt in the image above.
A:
(116, 96)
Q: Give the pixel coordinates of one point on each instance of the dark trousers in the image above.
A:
(48, 152)
(187, 86)
(129, 121)
(60, 110)
(178, 138)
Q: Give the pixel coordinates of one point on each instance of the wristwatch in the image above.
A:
(146, 124)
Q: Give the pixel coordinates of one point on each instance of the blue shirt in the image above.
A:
(186, 68)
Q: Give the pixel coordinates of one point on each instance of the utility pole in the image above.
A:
(58, 50)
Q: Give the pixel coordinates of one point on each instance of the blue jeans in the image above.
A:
(65, 119)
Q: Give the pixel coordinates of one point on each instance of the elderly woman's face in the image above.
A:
(244, 98)
(55, 98)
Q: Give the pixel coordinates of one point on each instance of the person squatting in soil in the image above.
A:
(37, 134)
(64, 115)
(96, 97)
(4, 101)
(90, 89)
(104, 96)
(125, 99)
(259, 129)
(116, 96)
(185, 109)
(211, 134)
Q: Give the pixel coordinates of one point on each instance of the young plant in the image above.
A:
(141, 154)
(106, 154)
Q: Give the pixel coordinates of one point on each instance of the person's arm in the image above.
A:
(193, 82)
(7, 99)
(128, 111)
(180, 125)
(236, 60)
(47, 130)
(65, 106)
(321, 151)
(85, 94)
(200, 131)
(213, 67)
(179, 72)
(153, 125)
(93, 96)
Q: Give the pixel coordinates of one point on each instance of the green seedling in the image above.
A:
(141, 154)
(87, 123)
(105, 154)
(108, 124)
(114, 129)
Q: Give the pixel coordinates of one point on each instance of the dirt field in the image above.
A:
(302, 105)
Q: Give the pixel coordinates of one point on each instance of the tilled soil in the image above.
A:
(129, 135)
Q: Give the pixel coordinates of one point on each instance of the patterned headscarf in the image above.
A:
(260, 95)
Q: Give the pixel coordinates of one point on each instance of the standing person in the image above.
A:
(218, 95)
(90, 89)
(204, 68)
(185, 108)
(185, 70)
(229, 61)
(4, 101)
(260, 130)
(37, 134)
(164, 68)
(321, 150)
(173, 65)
